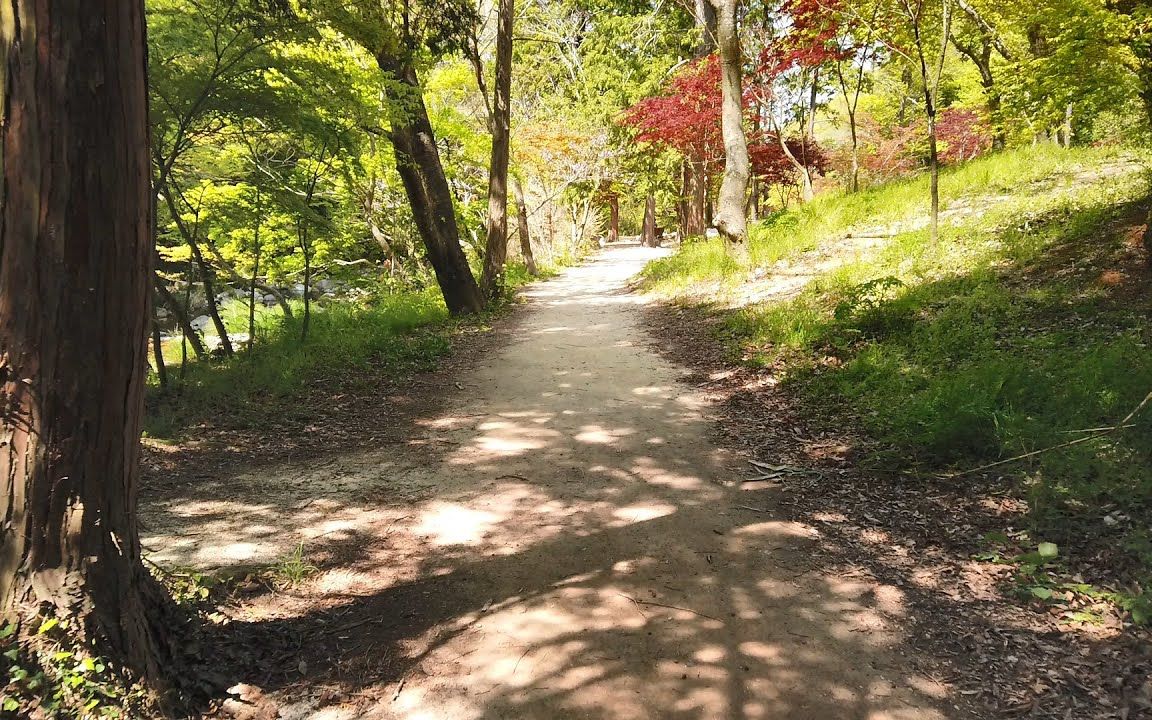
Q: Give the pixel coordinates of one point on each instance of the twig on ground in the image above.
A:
(670, 607)
(1078, 441)
(753, 509)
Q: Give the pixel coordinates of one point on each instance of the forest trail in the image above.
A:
(566, 542)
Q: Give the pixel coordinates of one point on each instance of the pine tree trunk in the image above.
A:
(496, 243)
(418, 162)
(730, 218)
(75, 301)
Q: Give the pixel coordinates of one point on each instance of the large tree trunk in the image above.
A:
(730, 218)
(496, 243)
(418, 162)
(75, 299)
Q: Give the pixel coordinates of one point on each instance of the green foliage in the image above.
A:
(393, 335)
(46, 673)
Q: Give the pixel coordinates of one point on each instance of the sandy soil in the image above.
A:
(561, 538)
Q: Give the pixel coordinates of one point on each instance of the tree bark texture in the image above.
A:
(418, 162)
(496, 243)
(75, 302)
(730, 219)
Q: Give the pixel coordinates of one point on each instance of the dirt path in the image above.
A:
(563, 542)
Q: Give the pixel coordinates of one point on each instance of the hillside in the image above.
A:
(893, 378)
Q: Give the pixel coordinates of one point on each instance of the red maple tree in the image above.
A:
(686, 118)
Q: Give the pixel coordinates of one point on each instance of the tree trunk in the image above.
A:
(931, 81)
(730, 218)
(696, 194)
(207, 275)
(496, 244)
(75, 301)
(180, 312)
(934, 170)
(522, 227)
(158, 354)
(306, 249)
(648, 233)
(418, 162)
(705, 16)
(855, 181)
(208, 280)
(255, 273)
(613, 218)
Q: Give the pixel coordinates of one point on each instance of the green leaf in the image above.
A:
(8, 631)
(1048, 550)
(10, 705)
(47, 625)
(1041, 592)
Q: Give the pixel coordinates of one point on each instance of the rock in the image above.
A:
(270, 300)
(249, 702)
(201, 322)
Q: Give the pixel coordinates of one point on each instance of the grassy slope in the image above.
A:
(1027, 323)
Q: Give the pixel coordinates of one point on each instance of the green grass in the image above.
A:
(1001, 339)
(704, 264)
(348, 343)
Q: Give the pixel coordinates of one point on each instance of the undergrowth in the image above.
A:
(386, 335)
(1023, 327)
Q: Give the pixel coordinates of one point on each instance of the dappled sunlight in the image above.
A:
(560, 544)
(451, 524)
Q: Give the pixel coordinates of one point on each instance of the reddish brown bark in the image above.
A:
(75, 297)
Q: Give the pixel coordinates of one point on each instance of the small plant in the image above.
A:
(292, 570)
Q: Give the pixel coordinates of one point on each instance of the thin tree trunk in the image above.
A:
(522, 228)
(613, 218)
(180, 312)
(233, 275)
(158, 354)
(418, 162)
(207, 275)
(931, 81)
(730, 218)
(75, 302)
(255, 273)
(306, 249)
(496, 243)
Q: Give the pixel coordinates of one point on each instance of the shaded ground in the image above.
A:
(1013, 656)
(556, 536)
